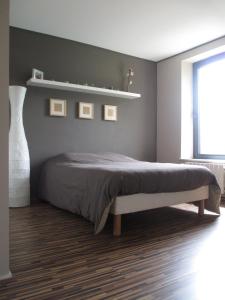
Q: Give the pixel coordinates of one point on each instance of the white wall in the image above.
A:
(169, 100)
(187, 136)
(4, 130)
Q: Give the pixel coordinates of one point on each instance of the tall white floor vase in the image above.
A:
(19, 160)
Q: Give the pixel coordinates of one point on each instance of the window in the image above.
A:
(209, 107)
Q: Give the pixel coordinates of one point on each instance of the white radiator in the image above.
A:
(216, 168)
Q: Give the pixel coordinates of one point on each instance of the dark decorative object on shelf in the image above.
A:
(130, 75)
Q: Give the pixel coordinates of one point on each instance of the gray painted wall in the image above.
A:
(4, 130)
(135, 132)
(169, 101)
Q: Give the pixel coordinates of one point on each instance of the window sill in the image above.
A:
(218, 161)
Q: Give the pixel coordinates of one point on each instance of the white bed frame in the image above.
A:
(140, 202)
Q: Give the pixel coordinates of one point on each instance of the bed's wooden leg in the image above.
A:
(117, 225)
(201, 207)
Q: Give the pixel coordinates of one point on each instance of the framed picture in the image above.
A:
(58, 108)
(85, 110)
(37, 74)
(110, 113)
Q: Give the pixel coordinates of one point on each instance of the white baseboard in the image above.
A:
(6, 276)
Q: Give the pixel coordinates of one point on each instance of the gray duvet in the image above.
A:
(86, 184)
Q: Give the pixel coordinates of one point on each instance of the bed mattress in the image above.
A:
(87, 184)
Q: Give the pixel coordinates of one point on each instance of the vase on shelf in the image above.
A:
(19, 159)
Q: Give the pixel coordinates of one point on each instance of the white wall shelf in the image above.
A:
(65, 86)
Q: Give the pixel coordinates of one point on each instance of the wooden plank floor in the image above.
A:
(163, 254)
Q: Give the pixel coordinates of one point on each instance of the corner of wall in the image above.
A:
(4, 132)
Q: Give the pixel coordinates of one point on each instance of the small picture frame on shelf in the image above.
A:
(37, 74)
(58, 108)
(85, 110)
(110, 113)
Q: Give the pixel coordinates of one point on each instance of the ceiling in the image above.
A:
(150, 29)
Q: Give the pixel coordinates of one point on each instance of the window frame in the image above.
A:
(196, 133)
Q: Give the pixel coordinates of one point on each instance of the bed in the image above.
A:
(94, 185)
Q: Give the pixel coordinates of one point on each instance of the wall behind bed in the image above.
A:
(134, 133)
